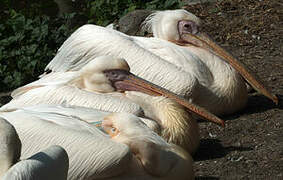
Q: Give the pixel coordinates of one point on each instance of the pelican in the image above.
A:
(167, 117)
(91, 87)
(51, 163)
(156, 156)
(93, 154)
(180, 58)
(108, 74)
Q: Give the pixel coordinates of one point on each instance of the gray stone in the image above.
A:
(131, 23)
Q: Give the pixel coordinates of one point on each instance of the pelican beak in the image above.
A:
(202, 40)
(131, 82)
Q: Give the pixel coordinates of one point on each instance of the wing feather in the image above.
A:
(70, 95)
(91, 41)
(86, 114)
(89, 115)
(91, 154)
(56, 78)
(52, 163)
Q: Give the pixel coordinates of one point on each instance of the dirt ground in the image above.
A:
(251, 144)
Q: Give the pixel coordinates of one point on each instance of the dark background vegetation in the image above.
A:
(31, 31)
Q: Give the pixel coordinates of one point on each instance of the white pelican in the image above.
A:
(192, 66)
(108, 74)
(89, 87)
(51, 163)
(158, 158)
(167, 118)
(92, 154)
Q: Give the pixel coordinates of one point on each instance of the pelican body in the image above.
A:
(92, 153)
(157, 157)
(179, 58)
(51, 163)
(106, 84)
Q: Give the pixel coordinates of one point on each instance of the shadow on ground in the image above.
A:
(256, 104)
(212, 149)
(259, 103)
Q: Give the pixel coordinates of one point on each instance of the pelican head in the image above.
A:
(157, 156)
(10, 146)
(177, 125)
(108, 74)
(163, 24)
(184, 28)
(128, 128)
(94, 74)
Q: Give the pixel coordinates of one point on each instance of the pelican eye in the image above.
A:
(187, 26)
(113, 130)
(116, 74)
(113, 74)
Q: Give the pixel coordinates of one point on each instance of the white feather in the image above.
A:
(84, 145)
(92, 155)
(189, 71)
(57, 78)
(92, 41)
(164, 24)
(52, 163)
(114, 102)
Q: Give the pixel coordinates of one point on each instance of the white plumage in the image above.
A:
(51, 163)
(192, 66)
(157, 157)
(176, 124)
(65, 94)
(88, 87)
(90, 41)
(92, 155)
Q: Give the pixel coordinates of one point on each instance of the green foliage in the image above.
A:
(27, 45)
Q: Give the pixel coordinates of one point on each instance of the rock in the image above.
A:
(131, 23)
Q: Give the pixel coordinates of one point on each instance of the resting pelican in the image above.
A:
(92, 154)
(93, 86)
(156, 156)
(179, 58)
(107, 74)
(51, 163)
(167, 117)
